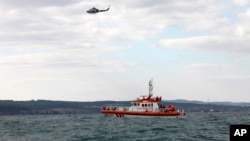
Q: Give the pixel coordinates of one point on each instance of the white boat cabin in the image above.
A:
(146, 106)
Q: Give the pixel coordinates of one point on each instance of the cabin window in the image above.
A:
(146, 105)
(142, 105)
(151, 104)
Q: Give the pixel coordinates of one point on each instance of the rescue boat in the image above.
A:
(144, 106)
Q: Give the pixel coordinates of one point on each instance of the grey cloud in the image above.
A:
(217, 44)
(35, 3)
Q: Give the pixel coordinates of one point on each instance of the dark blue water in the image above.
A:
(96, 127)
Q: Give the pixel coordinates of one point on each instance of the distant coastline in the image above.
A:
(48, 107)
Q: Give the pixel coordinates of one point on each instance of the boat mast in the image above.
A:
(150, 87)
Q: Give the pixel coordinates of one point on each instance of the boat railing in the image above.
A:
(110, 108)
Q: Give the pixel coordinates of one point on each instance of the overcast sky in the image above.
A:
(193, 49)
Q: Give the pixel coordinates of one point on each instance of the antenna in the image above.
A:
(150, 84)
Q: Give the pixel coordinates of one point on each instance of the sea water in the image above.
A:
(97, 127)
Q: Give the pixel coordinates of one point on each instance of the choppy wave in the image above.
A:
(96, 127)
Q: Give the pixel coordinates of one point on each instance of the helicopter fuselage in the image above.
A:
(95, 10)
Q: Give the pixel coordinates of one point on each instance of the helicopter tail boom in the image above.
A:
(104, 10)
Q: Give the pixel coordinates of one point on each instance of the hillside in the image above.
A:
(10, 107)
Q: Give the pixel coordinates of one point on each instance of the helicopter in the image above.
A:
(95, 10)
